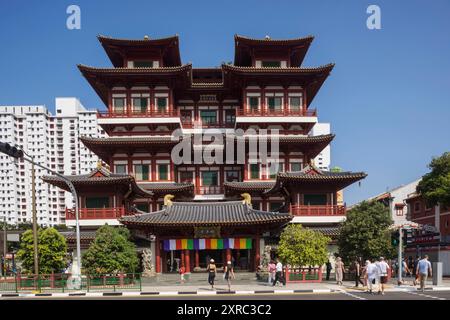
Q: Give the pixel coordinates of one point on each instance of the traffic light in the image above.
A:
(10, 151)
(395, 238)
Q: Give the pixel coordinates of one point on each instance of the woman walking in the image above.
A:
(212, 269)
(339, 270)
(229, 273)
(272, 271)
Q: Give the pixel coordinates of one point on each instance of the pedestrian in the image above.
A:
(423, 271)
(182, 271)
(405, 268)
(279, 274)
(415, 264)
(339, 270)
(212, 270)
(357, 271)
(383, 269)
(371, 276)
(229, 273)
(329, 268)
(272, 269)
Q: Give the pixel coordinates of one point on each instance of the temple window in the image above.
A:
(140, 102)
(143, 64)
(417, 206)
(253, 103)
(232, 175)
(271, 63)
(97, 202)
(315, 199)
(186, 177)
(119, 104)
(210, 178)
(275, 206)
(230, 116)
(208, 116)
(274, 168)
(274, 103)
(295, 103)
(296, 166)
(120, 168)
(141, 171)
(162, 104)
(254, 171)
(163, 172)
(142, 207)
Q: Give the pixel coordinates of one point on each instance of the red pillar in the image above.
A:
(182, 264)
(188, 263)
(197, 259)
(158, 255)
(257, 257)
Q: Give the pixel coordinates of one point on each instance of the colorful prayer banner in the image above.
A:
(207, 244)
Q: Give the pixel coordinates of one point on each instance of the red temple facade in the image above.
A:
(149, 94)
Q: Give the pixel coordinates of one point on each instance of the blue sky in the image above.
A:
(387, 98)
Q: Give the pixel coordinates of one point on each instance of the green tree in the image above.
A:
(52, 251)
(110, 252)
(336, 169)
(435, 185)
(365, 233)
(302, 247)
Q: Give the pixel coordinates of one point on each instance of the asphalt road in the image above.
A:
(344, 295)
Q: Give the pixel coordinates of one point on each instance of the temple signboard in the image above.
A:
(207, 232)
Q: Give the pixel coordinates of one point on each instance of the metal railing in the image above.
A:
(318, 210)
(199, 124)
(276, 112)
(61, 282)
(303, 274)
(137, 113)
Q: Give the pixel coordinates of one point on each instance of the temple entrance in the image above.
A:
(206, 255)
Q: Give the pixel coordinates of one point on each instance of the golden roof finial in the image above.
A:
(168, 200)
(247, 198)
(99, 164)
(146, 37)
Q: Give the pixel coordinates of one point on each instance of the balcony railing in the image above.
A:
(319, 210)
(97, 213)
(203, 190)
(276, 113)
(200, 124)
(138, 114)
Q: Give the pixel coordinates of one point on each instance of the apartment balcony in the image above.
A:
(318, 213)
(96, 216)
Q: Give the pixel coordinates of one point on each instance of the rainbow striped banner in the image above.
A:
(207, 244)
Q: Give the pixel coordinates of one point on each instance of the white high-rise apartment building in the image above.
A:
(323, 159)
(53, 141)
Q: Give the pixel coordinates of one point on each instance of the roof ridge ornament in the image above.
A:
(168, 200)
(146, 37)
(247, 199)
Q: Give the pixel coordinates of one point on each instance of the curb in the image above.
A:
(161, 293)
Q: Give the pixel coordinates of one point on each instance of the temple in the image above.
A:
(194, 210)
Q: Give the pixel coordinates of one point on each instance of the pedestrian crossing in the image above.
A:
(425, 295)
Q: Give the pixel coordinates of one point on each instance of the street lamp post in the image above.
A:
(75, 196)
(17, 153)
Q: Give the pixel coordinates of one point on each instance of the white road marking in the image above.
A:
(352, 295)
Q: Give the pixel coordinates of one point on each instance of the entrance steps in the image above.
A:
(197, 277)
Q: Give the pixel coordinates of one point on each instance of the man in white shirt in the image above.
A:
(279, 274)
(383, 269)
(371, 272)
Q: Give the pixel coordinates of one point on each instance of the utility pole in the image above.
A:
(35, 229)
(400, 260)
(5, 239)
